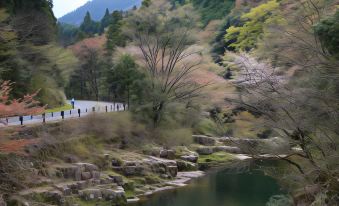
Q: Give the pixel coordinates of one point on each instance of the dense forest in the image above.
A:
(210, 80)
(30, 55)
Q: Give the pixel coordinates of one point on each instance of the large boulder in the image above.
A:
(172, 171)
(133, 170)
(106, 181)
(117, 194)
(81, 185)
(54, 196)
(65, 189)
(167, 154)
(90, 194)
(184, 166)
(108, 194)
(229, 149)
(69, 172)
(116, 163)
(190, 158)
(204, 140)
(161, 166)
(153, 151)
(131, 163)
(77, 171)
(117, 179)
(86, 176)
(95, 175)
(205, 150)
(275, 145)
(88, 167)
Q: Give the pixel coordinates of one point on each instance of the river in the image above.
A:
(221, 188)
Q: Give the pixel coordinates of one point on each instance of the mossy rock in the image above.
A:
(214, 160)
(129, 185)
(186, 166)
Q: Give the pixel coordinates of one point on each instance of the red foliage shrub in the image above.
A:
(17, 107)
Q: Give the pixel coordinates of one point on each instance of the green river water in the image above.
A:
(222, 188)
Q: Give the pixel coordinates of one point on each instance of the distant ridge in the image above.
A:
(97, 9)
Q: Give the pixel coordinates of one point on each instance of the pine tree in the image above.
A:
(86, 24)
(89, 26)
(105, 21)
(114, 34)
(125, 81)
(146, 3)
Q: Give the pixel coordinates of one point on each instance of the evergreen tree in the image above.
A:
(146, 3)
(89, 26)
(28, 53)
(327, 31)
(126, 82)
(86, 24)
(114, 35)
(105, 21)
(69, 34)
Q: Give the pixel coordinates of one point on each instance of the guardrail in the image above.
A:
(61, 115)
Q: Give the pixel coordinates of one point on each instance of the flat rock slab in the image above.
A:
(133, 200)
(204, 140)
(229, 149)
(193, 174)
(37, 190)
(161, 160)
(160, 189)
(205, 150)
(190, 158)
(184, 177)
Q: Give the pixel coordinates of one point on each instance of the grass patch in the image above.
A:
(218, 157)
(59, 109)
(129, 194)
(207, 127)
(113, 173)
(247, 126)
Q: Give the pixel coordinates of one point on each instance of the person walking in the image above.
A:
(73, 102)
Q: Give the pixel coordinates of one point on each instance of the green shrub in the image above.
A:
(328, 32)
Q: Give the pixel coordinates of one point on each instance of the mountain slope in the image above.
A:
(97, 9)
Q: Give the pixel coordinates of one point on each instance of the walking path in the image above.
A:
(84, 107)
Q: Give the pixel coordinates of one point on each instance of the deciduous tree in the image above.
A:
(26, 105)
(164, 39)
(246, 36)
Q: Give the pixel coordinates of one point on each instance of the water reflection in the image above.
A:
(224, 188)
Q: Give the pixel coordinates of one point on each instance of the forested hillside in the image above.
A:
(97, 9)
(284, 55)
(29, 53)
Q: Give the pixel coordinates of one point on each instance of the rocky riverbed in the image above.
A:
(123, 177)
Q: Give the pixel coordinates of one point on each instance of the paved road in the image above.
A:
(86, 108)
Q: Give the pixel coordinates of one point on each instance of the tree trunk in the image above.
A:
(157, 110)
(128, 98)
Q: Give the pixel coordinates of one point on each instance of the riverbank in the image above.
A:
(80, 168)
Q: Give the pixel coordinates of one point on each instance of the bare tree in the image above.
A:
(164, 41)
(91, 70)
